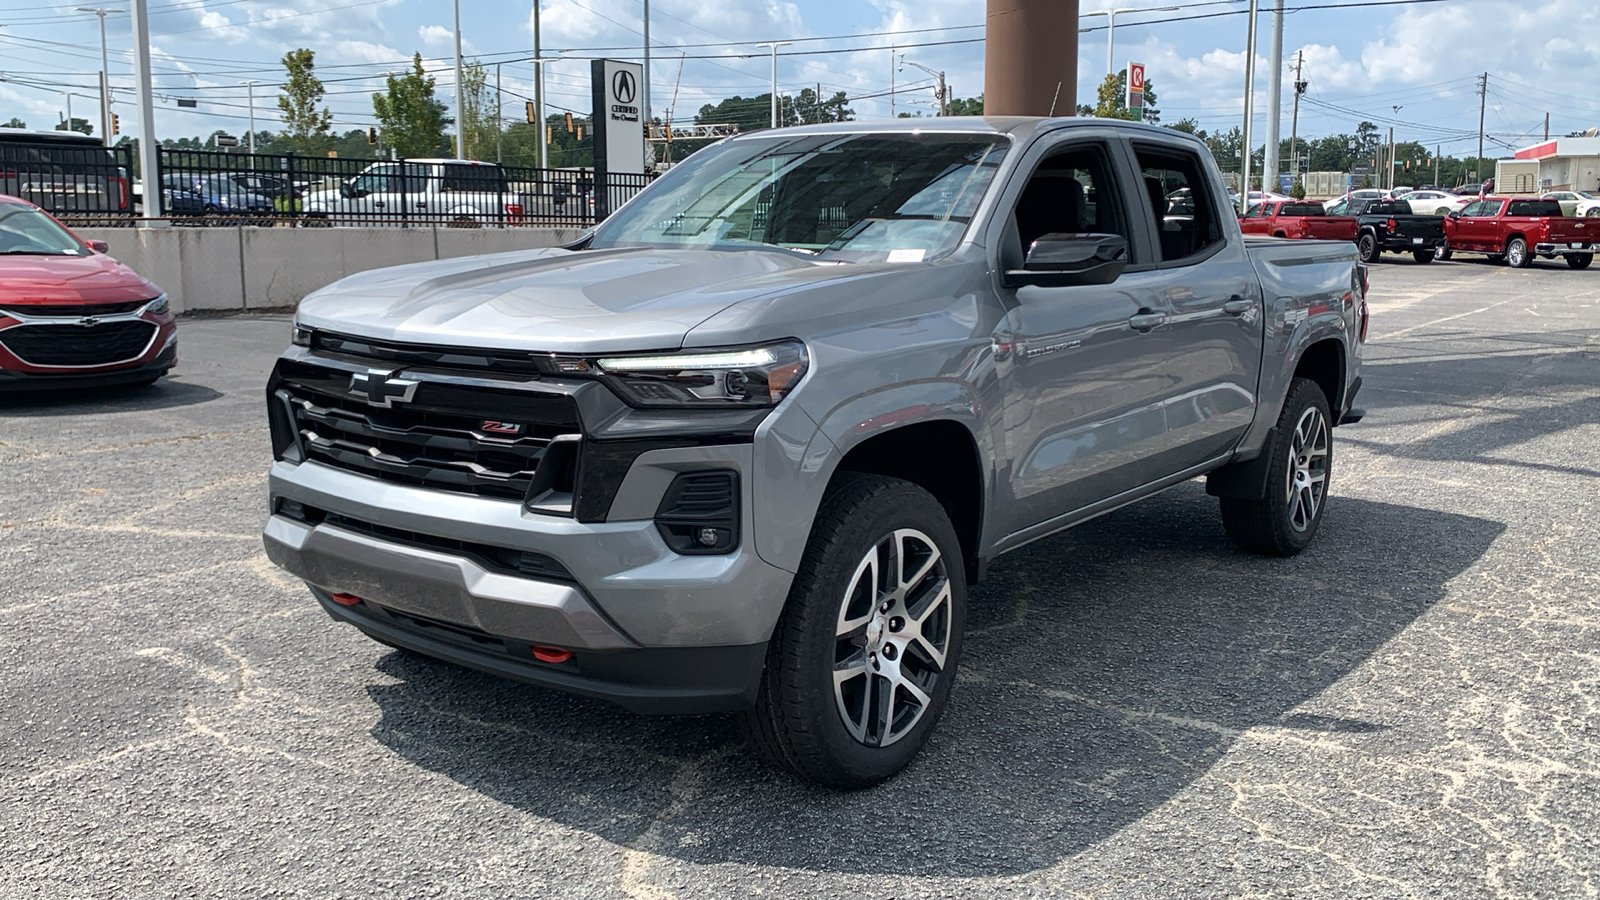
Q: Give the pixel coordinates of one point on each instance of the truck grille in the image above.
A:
(76, 345)
(444, 438)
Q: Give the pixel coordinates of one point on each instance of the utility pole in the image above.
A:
(1389, 159)
(461, 121)
(105, 74)
(1294, 122)
(1269, 168)
(147, 109)
(938, 75)
(1438, 148)
(499, 115)
(1483, 100)
(250, 88)
(775, 45)
(1547, 126)
(892, 67)
(538, 91)
(644, 89)
(1249, 101)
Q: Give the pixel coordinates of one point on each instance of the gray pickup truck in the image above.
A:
(747, 444)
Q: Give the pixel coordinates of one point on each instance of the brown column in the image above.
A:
(1030, 59)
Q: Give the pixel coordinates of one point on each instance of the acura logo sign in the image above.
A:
(378, 388)
(624, 87)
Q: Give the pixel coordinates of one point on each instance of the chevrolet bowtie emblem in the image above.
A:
(378, 388)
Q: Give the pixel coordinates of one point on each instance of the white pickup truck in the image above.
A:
(460, 192)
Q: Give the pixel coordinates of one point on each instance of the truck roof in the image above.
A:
(1014, 126)
(38, 134)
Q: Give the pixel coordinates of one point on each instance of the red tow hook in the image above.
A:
(551, 654)
(346, 599)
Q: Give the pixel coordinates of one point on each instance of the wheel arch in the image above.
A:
(953, 473)
(1323, 361)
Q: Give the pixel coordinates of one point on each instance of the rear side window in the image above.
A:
(1302, 209)
(1534, 208)
(1188, 220)
(489, 179)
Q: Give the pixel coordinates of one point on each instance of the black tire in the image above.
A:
(1517, 254)
(1496, 259)
(799, 721)
(1443, 254)
(1580, 260)
(1422, 256)
(1367, 248)
(1274, 525)
(1593, 213)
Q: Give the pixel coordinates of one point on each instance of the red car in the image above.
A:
(71, 316)
(1514, 229)
(1297, 219)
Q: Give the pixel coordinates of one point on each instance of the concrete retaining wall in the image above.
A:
(247, 267)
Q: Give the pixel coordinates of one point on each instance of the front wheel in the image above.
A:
(1580, 260)
(1593, 213)
(1442, 254)
(1422, 256)
(1517, 254)
(1283, 522)
(1367, 248)
(864, 656)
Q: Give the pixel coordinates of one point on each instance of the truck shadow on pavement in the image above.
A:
(164, 394)
(1105, 670)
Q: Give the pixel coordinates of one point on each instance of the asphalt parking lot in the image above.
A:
(1407, 709)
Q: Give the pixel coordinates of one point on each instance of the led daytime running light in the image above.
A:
(738, 359)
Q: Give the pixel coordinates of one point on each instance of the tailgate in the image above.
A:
(1572, 231)
(1425, 227)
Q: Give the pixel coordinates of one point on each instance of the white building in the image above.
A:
(1566, 164)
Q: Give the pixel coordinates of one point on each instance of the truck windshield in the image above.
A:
(852, 197)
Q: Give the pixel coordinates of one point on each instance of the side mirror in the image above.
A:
(350, 191)
(1454, 215)
(1067, 260)
(99, 246)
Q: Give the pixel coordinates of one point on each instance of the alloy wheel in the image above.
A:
(1308, 469)
(892, 637)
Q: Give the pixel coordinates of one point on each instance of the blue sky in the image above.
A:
(1413, 66)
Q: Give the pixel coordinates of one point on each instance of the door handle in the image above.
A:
(1237, 305)
(1145, 319)
(378, 204)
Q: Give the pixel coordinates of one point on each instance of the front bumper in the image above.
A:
(36, 380)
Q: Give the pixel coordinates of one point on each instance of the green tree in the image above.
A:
(1299, 190)
(81, 126)
(15, 123)
(308, 128)
(969, 106)
(1189, 126)
(809, 108)
(481, 111)
(411, 119)
(1112, 95)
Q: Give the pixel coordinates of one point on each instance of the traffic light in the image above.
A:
(569, 123)
(372, 134)
(115, 129)
(529, 107)
(580, 132)
(549, 135)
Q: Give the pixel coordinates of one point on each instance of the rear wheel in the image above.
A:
(1580, 260)
(1517, 254)
(1442, 254)
(1422, 256)
(863, 659)
(1497, 259)
(1283, 522)
(1442, 211)
(1367, 248)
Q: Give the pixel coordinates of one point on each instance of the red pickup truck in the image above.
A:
(1515, 229)
(1296, 219)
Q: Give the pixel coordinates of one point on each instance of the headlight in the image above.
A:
(301, 335)
(156, 307)
(736, 377)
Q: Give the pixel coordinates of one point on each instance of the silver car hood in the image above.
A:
(594, 301)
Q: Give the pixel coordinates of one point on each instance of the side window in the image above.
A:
(1073, 191)
(1187, 230)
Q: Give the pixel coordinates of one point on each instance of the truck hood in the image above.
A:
(549, 300)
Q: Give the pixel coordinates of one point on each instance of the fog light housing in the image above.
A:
(699, 514)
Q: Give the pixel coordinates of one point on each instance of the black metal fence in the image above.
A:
(83, 181)
(204, 187)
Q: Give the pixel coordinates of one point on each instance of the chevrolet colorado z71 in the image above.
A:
(745, 445)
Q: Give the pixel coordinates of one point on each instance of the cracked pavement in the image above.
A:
(1409, 709)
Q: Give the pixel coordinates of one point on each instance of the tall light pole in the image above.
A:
(542, 141)
(1269, 167)
(938, 75)
(147, 108)
(1249, 105)
(775, 45)
(1111, 27)
(105, 73)
(644, 89)
(250, 88)
(461, 123)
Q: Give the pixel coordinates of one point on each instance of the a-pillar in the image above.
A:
(1030, 60)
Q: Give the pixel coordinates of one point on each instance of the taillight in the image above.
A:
(1389, 225)
(514, 210)
(122, 192)
(1366, 318)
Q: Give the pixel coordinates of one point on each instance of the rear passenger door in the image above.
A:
(1211, 348)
